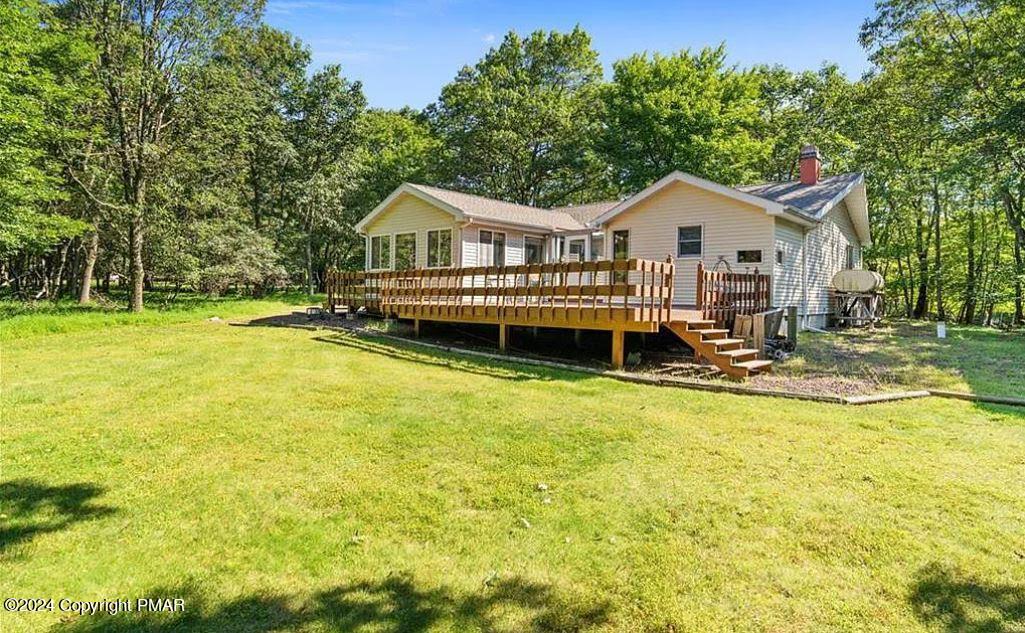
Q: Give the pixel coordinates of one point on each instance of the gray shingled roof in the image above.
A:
(500, 211)
(809, 200)
(585, 213)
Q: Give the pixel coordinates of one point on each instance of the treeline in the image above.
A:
(190, 144)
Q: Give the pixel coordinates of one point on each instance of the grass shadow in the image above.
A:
(482, 366)
(396, 604)
(946, 598)
(31, 508)
(908, 354)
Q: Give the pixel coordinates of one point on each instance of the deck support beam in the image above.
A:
(503, 335)
(416, 328)
(617, 348)
(577, 336)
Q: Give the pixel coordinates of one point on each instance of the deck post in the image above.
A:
(503, 333)
(416, 328)
(577, 337)
(617, 348)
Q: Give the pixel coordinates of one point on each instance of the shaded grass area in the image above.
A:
(32, 318)
(909, 356)
(282, 479)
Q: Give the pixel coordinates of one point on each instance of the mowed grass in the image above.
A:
(908, 355)
(284, 479)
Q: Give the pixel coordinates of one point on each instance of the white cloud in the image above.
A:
(488, 39)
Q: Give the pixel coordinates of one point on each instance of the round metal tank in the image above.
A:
(857, 281)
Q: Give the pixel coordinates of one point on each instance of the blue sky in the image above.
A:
(405, 51)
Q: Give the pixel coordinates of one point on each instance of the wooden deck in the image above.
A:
(618, 296)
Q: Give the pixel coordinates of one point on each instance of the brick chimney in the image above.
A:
(810, 162)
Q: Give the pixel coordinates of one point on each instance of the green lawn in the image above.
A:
(284, 479)
(907, 355)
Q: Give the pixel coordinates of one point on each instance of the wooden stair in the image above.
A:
(714, 345)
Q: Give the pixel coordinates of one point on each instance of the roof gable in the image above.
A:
(770, 207)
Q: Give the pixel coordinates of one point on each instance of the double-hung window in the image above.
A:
(688, 241)
(405, 251)
(380, 252)
(491, 248)
(439, 248)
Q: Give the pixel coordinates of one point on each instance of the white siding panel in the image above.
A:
(827, 254)
(728, 226)
(409, 214)
(787, 276)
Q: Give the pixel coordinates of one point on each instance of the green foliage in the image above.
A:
(687, 112)
(522, 124)
(40, 84)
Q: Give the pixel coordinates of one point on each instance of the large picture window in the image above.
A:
(688, 241)
(491, 249)
(439, 248)
(380, 252)
(405, 251)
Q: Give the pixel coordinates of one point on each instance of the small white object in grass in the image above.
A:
(941, 329)
(546, 500)
(542, 487)
(214, 319)
(524, 522)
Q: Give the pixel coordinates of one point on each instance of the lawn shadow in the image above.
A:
(482, 366)
(34, 508)
(395, 604)
(949, 599)
(910, 354)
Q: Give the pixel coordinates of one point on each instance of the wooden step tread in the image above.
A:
(737, 352)
(725, 341)
(699, 323)
(712, 331)
(752, 365)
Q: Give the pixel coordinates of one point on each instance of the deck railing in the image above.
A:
(722, 295)
(644, 286)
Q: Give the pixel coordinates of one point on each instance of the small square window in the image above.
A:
(779, 256)
(749, 257)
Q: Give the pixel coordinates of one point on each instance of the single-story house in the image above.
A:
(801, 232)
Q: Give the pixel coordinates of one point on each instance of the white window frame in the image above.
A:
(544, 246)
(569, 246)
(505, 247)
(451, 246)
(676, 237)
(370, 251)
(590, 246)
(611, 242)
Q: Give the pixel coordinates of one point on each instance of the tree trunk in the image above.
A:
(922, 250)
(138, 274)
(92, 251)
(941, 313)
(309, 262)
(968, 312)
(1019, 268)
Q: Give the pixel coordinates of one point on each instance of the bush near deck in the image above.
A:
(283, 479)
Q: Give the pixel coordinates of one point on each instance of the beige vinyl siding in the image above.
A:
(409, 214)
(787, 277)
(827, 254)
(727, 226)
